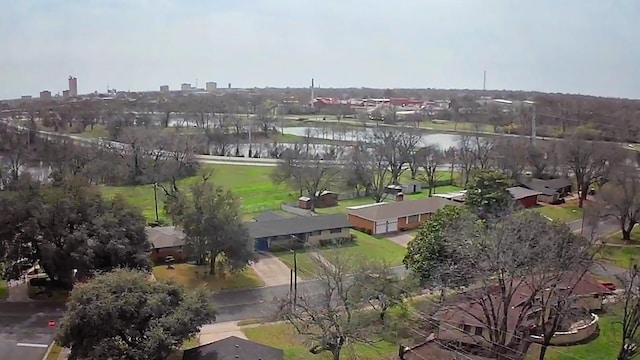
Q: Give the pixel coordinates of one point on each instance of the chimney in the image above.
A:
(399, 196)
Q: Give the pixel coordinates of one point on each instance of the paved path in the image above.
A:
(402, 239)
(218, 331)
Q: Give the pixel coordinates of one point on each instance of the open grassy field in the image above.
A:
(344, 204)
(283, 336)
(193, 276)
(308, 266)
(566, 213)
(251, 183)
(605, 346)
(452, 126)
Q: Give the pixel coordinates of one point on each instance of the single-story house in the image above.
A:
(526, 197)
(165, 241)
(552, 190)
(460, 321)
(299, 230)
(233, 347)
(382, 218)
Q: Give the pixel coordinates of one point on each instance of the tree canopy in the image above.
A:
(211, 220)
(67, 226)
(487, 193)
(125, 315)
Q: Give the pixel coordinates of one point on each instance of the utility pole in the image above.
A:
(155, 199)
(533, 126)
(293, 280)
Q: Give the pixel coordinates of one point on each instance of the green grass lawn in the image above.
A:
(620, 256)
(193, 276)
(344, 204)
(605, 346)
(563, 213)
(251, 183)
(4, 291)
(363, 247)
(616, 238)
(283, 336)
(451, 126)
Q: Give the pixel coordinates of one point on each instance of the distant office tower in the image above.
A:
(229, 85)
(212, 86)
(185, 87)
(45, 95)
(65, 93)
(73, 86)
(26, 97)
(164, 88)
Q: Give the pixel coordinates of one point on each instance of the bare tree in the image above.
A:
(397, 148)
(334, 319)
(590, 162)
(629, 348)
(510, 156)
(481, 148)
(429, 158)
(511, 266)
(622, 194)
(465, 157)
(371, 169)
(308, 173)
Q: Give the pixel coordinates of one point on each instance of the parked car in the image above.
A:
(608, 285)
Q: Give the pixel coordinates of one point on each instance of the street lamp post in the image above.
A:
(155, 199)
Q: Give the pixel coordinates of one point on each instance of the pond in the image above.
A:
(444, 141)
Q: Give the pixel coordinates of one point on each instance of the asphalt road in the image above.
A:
(25, 336)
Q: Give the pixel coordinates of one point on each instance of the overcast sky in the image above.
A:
(576, 46)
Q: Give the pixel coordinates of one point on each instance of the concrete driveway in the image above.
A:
(402, 239)
(213, 332)
(272, 270)
(25, 336)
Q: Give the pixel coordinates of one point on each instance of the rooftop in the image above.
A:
(296, 225)
(394, 210)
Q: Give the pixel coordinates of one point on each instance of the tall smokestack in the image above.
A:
(484, 81)
(313, 96)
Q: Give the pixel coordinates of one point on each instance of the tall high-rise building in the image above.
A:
(73, 86)
(212, 86)
(45, 95)
(164, 88)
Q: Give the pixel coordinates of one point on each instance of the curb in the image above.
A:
(46, 355)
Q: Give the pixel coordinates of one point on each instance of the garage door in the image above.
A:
(386, 226)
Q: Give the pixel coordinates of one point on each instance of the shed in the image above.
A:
(326, 199)
(304, 202)
(411, 187)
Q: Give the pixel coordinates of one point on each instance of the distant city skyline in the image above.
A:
(572, 46)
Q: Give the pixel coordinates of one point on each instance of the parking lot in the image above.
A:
(25, 336)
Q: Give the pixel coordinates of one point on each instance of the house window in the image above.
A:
(336, 231)
(317, 232)
(478, 331)
(412, 219)
(466, 328)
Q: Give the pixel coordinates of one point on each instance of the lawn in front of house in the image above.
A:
(616, 238)
(369, 247)
(283, 336)
(619, 255)
(308, 266)
(4, 290)
(193, 276)
(252, 184)
(605, 346)
(566, 213)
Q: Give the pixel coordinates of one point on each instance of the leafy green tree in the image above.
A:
(487, 194)
(211, 220)
(427, 252)
(125, 315)
(67, 226)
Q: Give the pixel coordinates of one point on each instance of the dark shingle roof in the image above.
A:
(269, 216)
(165, 237)
(296, 225)
(233, 348)
(518, 192)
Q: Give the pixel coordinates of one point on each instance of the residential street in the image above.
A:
(262, 302)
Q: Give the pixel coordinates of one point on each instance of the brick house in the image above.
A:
(166, 241)
(382, 218)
